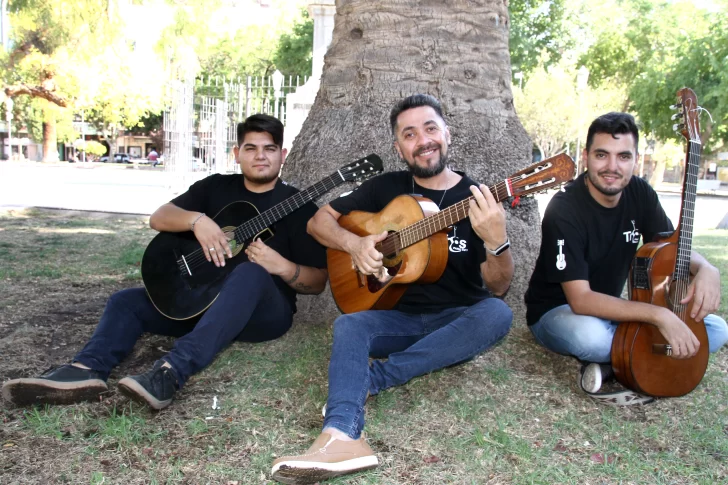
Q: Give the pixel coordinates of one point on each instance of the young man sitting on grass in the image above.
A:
(256, 303)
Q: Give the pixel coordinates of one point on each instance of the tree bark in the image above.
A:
(383, 51)
(50, 140)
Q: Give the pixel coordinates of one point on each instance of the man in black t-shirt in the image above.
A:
(433, 325)
(590, 233)
(256, 303)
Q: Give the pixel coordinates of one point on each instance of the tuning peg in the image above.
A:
(676, 116)
(678, 127)
(676, 106)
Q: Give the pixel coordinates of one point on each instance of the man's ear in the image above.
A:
(236, 151)
(284, 152)
(447, 135)
(396, 147)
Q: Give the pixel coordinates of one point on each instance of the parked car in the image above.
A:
(118, 158)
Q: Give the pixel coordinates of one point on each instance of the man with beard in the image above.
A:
(256, 302)
(590, 234)
(432, 326)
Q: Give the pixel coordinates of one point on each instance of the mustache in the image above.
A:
(430, 146)
(609, 172)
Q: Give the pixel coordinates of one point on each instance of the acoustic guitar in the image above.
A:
(415, 251)
(660, 274)
(178, 278)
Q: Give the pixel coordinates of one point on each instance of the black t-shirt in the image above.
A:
(461, 284)
(583, 240)
(290, 238)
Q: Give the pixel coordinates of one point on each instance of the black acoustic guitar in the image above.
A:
(181, 282)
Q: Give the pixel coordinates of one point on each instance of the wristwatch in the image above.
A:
(500, 249)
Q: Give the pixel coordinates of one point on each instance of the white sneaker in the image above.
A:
(592, 376)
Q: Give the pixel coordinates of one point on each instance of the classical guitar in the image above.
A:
(660, 274)
(415, 251)
(178, 278)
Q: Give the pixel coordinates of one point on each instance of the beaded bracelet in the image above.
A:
(192, 226)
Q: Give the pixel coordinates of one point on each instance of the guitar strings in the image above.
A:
(260, 222)
(426, 226)
(686, 229)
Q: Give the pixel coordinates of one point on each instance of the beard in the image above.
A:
(594, 179)
(262, 179)
(427, 172)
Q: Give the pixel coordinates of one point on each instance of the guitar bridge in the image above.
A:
(184, 267)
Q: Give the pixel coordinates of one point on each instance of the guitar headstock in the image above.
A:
(546, 174)
(362, 169)
(688, 111)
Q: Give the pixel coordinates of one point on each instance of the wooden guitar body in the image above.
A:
(638, 350)
(660, 275)
(423, 262)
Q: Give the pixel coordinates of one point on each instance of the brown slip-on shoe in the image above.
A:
(326, 458)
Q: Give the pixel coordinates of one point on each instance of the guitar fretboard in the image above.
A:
(434, 223)
(265, 219)
(687, 215)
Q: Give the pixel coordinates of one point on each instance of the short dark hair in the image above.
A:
(614, 123)
(414, 101)
(261, 123)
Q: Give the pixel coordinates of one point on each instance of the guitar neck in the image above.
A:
(434, 223)
(269, 217)
(687, 213)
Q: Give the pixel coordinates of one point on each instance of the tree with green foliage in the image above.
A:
(294, 53)
(653, 48)
(539, 33)
(554, 113)
(701, 63)
(49, 40)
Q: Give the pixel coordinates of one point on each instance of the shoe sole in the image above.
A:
(299, 472)
(135, 391)
(23, 392)
(591, 379)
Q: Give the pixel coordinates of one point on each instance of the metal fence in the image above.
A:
(200, 124)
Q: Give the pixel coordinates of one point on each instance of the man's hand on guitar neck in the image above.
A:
(213, 241)
(487, 217)
(704, 289)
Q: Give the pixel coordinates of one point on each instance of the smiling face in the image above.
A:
(260, 160)
(610, 163)
(422, 139)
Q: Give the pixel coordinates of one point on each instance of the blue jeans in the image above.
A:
(414, 344)
(589, 339)
(249, 308)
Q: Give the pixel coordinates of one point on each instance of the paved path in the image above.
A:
(120, 188)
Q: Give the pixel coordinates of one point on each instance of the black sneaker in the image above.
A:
(62, 384)
(155, 388)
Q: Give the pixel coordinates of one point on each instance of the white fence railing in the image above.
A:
(200, 124)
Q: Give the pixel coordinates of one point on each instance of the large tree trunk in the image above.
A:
(50, 140)
(383, 51)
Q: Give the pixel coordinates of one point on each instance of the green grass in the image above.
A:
(511, 416)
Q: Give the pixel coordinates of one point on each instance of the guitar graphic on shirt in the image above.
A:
(560, 259)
